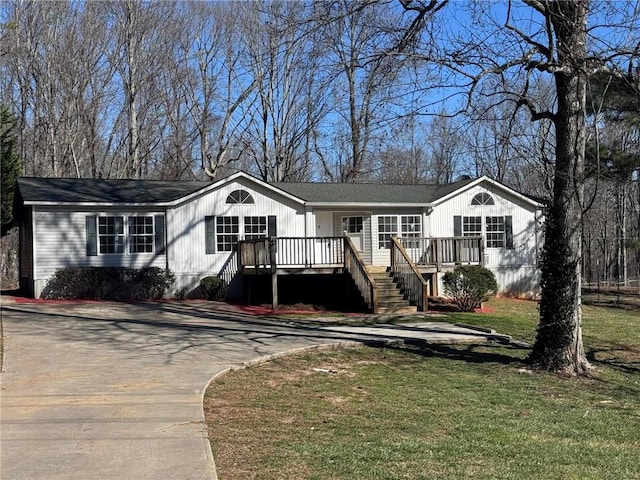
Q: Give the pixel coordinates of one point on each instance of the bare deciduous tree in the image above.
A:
(568, 40)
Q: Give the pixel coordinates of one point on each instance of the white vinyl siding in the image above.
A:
(26, 242)
(190, 259)
(513, 267)
(61, 241)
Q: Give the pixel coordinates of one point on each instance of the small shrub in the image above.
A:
(109, 283)
(213, 288)
(182, 294)
(469, 285)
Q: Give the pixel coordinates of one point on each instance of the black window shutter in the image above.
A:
(271, 226)
(457, 226)
(508, 231)
(159, 234)
(92, 236)
(210, 234)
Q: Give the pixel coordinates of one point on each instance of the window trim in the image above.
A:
(149, 238)
(495, 231)
(384, 237)
(224, 239)
(262, 227)
(402, 230)
(458, 229)
(466, 223)
(240, 197)
(415, 233)
(93, 235)
(116, 236)
(267, 225)
(349, 224)
(417, 226)
(482, 199)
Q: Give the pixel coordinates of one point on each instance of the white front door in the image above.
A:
(353, 227)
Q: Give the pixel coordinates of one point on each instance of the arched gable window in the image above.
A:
(482, 198)
(240, 196)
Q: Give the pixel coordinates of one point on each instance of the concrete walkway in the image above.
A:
(114, 391)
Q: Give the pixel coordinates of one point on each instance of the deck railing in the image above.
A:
(230, 268)
(255, 253)
(292, 252)
(330, 251)
(354, 265)
(410, 281)
(447, 250)
(310, 251)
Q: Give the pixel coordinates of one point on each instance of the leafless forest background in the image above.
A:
(299, 91)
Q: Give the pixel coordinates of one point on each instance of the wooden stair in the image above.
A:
(390, 298)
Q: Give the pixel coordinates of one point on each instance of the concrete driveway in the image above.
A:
(114, 390)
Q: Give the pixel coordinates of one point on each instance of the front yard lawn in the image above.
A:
(440, 412)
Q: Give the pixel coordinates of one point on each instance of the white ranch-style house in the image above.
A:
(241, 226)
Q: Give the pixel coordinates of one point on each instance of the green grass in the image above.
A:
(442, 412)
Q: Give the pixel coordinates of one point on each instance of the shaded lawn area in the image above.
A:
(440, 412)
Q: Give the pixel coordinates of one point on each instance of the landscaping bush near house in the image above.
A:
(109, 283)
(213, 288)
(469, 286)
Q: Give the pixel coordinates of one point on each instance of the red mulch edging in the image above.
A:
(45, 301)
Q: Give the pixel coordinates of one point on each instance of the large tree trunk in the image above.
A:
(558, 345)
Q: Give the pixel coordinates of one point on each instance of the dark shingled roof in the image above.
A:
(369, 192)
(89, 190)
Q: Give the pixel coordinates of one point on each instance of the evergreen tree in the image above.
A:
(11, 166)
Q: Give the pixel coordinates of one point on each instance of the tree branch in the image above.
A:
(535, 114)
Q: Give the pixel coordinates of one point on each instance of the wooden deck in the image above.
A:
(411, 260)
(328, 253)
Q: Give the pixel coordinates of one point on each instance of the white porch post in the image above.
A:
(308, 222)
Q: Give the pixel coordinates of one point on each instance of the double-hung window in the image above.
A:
(495, 232)
(387, 227)
(141, 236)
(119, 234)
(227, 233)
(111, 234)
(255, 227)
(405, 226)
(223, 233)
(411, 227)
(471, 226)
(498, 230)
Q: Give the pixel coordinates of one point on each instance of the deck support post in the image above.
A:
(274, 290)
(273, 261)
(273, 258)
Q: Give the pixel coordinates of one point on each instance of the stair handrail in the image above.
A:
(355, 266)
(409, 279)
(230, 268)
